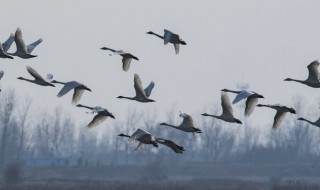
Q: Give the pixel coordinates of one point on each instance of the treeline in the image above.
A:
(53, 138)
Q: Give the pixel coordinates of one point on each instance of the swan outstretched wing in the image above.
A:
(7, 44)
(126, 63)
(140, 146)
(21, 46)
(138, 134)
(1, 74)
(313, 71)
(99, 118)
(77, 95)
(242, 95)
(317, 122)
(34, 73)
(278, 118)
(227, 109)
(67, 87)
(31, 46)
(49, 77)
(138, 87)
(176, 47)
(250, 105)
(187, 121)
(167, 36)
(148, 90)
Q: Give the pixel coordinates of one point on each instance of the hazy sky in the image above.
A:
(229, 42)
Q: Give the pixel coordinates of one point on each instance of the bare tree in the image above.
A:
(53, 134)
(7, 106)
(23, 112)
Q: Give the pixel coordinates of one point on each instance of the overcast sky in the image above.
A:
(228, 42)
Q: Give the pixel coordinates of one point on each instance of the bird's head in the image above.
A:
(120, 97)
(20, 78)
(288, 79)
(205, 114)
(256, 96)
(87, 89)
(183, 42)
(111, 115)
(291, 110)
(150, 32)
(237, 121)
(300, 118)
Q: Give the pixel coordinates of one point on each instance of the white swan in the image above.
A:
(251, 102)
(313, 78)
(102, 115)
(145, 137)
(37, 78)
(126, 57)
(227, 110)
(79, 88)
(187, 124)
(170, 37)
(24, 51)
(142, 95)
(280, 115)
(5, 46)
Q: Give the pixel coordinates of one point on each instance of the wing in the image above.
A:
(99, 118)
(126, 63)
(187, 122)
(21, 46)
(7, 44)
(137, 134)
(140, 146)
(138, 87)
(34, 73)
(67, 87)
(77, 95)
(176, 47)
(250, 105)
(278, 118)
(1, 74)
(2, 51)
(148, 90)
(3, 54)
(313, 71)
(226, 105)
(49, 77)
(167, 36)
(175, 147)
(31, 46)
(317, 122)
(242, 95)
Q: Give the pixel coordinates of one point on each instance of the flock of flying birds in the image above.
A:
(143, 94)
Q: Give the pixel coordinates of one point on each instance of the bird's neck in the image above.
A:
(59, 82)
(173, 126)
(80, 105)
(233, 91)
(157, 35)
